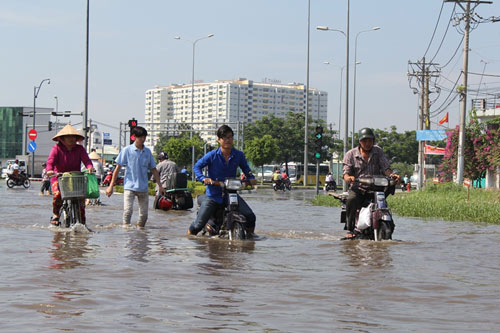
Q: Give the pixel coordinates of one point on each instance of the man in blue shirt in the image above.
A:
(222, 163)
(138, 160)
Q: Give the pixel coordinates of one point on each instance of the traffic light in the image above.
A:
(318, 142)
(50, 126)
(132, 123)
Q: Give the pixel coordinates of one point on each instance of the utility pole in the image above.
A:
(423, 76)
(463, 91)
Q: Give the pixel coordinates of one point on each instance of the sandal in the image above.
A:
(55, 221)
(350, 236)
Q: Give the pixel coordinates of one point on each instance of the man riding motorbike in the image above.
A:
(364, 160)
(222, 163)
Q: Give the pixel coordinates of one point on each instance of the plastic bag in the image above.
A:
(92, 186)
(364, 218)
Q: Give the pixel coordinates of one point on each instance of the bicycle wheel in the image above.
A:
(65, 215)
(75, 212)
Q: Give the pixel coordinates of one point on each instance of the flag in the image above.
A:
(431, 150)
(444, 120)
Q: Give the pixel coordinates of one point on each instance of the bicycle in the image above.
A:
(73, 188)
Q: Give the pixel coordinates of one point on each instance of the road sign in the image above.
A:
(32, 134)
(107, 142)
(106, 135)
(32, 146)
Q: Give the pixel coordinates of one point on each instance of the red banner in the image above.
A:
(431, 150)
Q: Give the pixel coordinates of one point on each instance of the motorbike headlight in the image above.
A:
(232, 184)
(380, 181)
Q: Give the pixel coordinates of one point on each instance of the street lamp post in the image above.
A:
(36, 90)
(356, 63)
(346, 111)
(192, 99)
(340, 111)
(57, 109)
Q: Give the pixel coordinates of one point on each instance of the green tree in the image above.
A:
(260, 151)
(178, 148)
(399, 147)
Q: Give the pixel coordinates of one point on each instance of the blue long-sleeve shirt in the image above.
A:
(219, 169)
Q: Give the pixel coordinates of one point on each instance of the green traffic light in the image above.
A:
(319, 136)
(317, 155)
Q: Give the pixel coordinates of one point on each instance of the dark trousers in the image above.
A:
(354, 202)
(208, 208)
(45, 186)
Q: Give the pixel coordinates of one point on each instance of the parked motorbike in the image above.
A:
(109, 176)
(232, 222)
(373, 221)
(21, 180)
(330, 186)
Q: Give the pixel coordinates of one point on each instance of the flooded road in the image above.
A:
(298, 277)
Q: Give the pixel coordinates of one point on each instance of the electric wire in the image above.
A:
(435, 28)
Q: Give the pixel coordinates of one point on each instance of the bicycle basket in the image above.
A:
(73, 186)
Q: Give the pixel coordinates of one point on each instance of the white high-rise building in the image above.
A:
(226, 102)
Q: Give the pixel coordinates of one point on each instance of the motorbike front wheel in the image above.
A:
(238, 232)
(384, 231)
(26, 183)
(10, 183)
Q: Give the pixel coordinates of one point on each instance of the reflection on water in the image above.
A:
(69, 250)
(138, 245)
(367, 253)
(223, 254)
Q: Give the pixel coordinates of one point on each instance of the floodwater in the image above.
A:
(298, 277)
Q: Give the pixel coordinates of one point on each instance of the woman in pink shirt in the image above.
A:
(66, 156)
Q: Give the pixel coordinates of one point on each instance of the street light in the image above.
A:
(354, 83)
(346, 111)
(192, 98)
(340, 111)
(36, 90)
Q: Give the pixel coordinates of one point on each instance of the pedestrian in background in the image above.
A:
(45, 181)
(99, 170)
(137, 158)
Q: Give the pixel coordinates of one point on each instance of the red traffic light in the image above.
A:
(132, 123)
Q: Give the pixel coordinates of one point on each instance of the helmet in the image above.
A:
(366, 133)
(162, 156)
(44, 164)
(164, 203)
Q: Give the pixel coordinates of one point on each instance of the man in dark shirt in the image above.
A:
(364, 160)
(222, 163)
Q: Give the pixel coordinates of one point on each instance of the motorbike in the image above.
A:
(374, 220)
(330, 186)
(107, 180)
(279, 186)
(232, 223)
(21, 180)
(287, 183)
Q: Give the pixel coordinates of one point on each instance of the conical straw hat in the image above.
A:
(94, 156)
(68, 130)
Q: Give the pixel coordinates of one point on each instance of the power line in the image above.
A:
(435, 28)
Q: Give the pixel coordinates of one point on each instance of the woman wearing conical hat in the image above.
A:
(66, 156)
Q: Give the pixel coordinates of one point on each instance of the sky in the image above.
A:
(132, 49)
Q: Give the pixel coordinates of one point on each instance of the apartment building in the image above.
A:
(233, 102)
